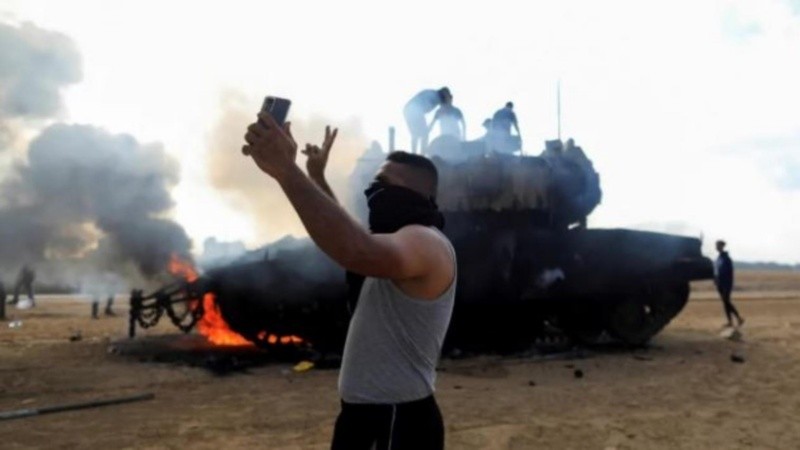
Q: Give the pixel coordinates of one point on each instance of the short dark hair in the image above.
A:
(444, 92)
(510, 105)
(418, 161)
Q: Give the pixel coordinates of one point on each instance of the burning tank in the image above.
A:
(528, 264)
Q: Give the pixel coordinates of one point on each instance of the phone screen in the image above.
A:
(277, 107)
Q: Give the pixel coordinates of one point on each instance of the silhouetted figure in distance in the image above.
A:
(723, 278)
(415, 111)
(25, 281)
(451, 121)
(108, 310)
(2, 301)
(502, 139)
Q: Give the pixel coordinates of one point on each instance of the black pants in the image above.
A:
(730, 310)
(96, 306)
(413, 425)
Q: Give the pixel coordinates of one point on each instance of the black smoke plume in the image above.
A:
(87, 192)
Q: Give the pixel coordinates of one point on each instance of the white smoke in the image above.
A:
(35, 64)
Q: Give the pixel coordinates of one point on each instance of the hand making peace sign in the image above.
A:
(318, 157)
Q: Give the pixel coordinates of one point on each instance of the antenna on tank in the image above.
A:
(558, 107)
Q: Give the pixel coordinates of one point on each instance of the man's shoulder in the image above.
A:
(430, 236)
(427, 231)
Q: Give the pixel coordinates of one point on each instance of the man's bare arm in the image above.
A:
(404, 255)
(322, 183)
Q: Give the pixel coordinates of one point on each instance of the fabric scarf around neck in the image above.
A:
(393, 207)
(390, 209)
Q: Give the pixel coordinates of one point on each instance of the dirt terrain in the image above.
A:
(684, 391)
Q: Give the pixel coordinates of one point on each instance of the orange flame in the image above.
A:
(284, 340)
(181, 268)
(212, 325)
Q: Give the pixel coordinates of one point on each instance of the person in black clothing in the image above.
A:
(2, 301)
(96, 306)
(723, 278)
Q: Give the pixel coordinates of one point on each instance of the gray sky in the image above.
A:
(689, 109)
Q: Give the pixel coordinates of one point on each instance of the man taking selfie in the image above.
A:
(388, 371)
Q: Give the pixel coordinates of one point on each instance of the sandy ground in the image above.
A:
(682, 392)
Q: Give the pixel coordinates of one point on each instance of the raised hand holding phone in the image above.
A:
(271, 146)
(277, 107)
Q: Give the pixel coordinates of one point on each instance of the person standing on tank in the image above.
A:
(451, 121)
(723, 279)
(416, 109)
(502, 121)
(395, 336)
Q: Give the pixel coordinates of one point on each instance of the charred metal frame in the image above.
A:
(147, 310)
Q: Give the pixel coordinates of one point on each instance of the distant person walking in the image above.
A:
(723, 278)
(2, 301)
(101, 284)
(502, 139)
(25, 281)
(415, 111)
(108, 310)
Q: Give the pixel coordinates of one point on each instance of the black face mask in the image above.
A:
(393, 207)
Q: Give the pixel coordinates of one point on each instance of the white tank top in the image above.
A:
(394, 343)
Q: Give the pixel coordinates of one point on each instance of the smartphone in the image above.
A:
(277, 107)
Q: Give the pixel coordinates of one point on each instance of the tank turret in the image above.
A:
(560, 186)
(525, 253)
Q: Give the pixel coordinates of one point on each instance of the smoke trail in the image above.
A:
(85, 200)
(255, 193)
(82, 184)
(34, 65)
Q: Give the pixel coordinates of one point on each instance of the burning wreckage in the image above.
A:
(528, 266)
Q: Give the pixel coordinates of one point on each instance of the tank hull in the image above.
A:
(515, 283)
(527, 263)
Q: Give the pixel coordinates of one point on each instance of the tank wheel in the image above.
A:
(582, 322)
(641, 315)
(586, 336)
